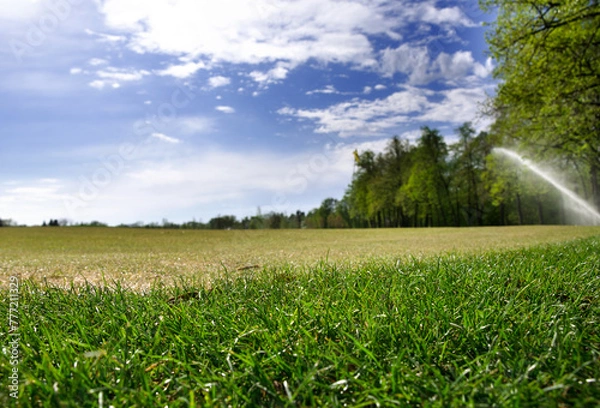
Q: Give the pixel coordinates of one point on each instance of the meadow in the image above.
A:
(141, 258)
(436, 317)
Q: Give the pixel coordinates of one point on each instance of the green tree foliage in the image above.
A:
(548, 61)
(326, 209)
(371, 199)
(468, 165)
(430, 183)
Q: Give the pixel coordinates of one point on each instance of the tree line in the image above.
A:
(434, 184)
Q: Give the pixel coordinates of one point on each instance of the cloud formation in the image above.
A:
(421, 69)
(379, 117)
(218, 81)
(225, 109)
(282, 33)
(114, 77)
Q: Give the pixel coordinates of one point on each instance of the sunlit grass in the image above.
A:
(138, 257)
(509, 328)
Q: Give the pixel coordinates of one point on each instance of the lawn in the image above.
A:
(327, 318)
(140, 257)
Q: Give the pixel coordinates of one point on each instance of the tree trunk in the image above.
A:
(429, 217)
(457, 215)
(441, 214)
(416, 221)
(479, 216)
(519, 209)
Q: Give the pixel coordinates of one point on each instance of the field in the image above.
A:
(139, 258)
(440, 317)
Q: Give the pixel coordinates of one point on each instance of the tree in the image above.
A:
(223, 222)
(7, 222)
(275, 220)
(548, 61)
(393, 171)
(299, 218)
(501, 180)
(467, 166)
(326, 209)
(371, 198)
(428, 186)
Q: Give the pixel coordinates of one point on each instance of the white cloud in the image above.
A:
(367, 90)
(413, 61)
(454, 66)
(182, 71)
(417, 64)
(427, 12)
(114, 76)
(218, 81)
(122, 74)
(458, 105)
(75, 71)
(281, 33)
(379, 117)
(251, 32)
(165, 138)
(363, 117)
(97, 84)
(97, 61)
(329, 89)
(380, 87)
(272, 76)
(225, 109)
(106, 38)
(484, 71)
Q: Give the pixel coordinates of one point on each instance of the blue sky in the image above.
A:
(139, 110)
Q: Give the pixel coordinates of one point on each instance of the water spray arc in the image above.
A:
(577, 201)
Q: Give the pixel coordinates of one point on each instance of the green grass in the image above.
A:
(513, 328)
